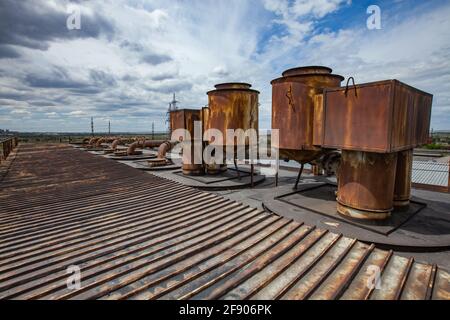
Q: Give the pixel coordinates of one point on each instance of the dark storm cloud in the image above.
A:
(150, 58)
(129, 78)
(109, 107)
(119, 105)
(8, 52)
(85, 91)
(33, 24)
(131, 46)
(155, 59)
(19, 96)
(42, 103)
(58, 79)
(102, 78)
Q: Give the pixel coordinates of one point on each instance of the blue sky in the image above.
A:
(130, 55)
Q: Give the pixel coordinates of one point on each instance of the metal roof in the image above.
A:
(138, 236)
(429, 172)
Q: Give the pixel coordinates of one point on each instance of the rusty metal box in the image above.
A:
(384, 116)
(293, 116)
(184, 119)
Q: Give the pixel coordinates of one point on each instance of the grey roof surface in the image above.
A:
(429, 172)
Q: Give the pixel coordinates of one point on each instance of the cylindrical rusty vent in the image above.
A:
(366, 184)
(157, 162)
(402, 190)
(306, 70)
(233, 85)
(232, 106)
(214, 169)
(204, 117)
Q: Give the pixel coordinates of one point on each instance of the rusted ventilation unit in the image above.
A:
(376, 125)
(185, 119)
(296, 112)
(231, 106)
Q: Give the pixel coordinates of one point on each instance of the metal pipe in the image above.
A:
(402, 189)
(99, 142)
(189, 167)
(165, 147)
(115, 143)
(93, 141)
(366, 184)
(143, 144)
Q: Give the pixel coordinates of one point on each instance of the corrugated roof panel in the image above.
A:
(432, 173)
(137, 236)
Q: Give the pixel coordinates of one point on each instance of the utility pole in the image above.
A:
(109, 127)
(153, 130)
(172, 107)
(92, 126)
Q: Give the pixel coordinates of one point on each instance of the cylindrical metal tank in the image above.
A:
(184, 119)
(232, 106)
(294, 96)
(366, 184)
(402, 190)
(189, 166)
(213, 168)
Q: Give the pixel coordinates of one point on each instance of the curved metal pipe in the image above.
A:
(100, 141)
(143, 144)
(115, 143)
(93, 141)
(104, 140)
(165, 147)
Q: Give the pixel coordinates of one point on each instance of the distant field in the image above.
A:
(66, 138)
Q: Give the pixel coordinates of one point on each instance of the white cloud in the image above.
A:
(77, 113)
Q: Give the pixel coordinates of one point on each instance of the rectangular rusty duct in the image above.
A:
(384, 116)
(293, 115)
(7, 146)
(184, 119)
